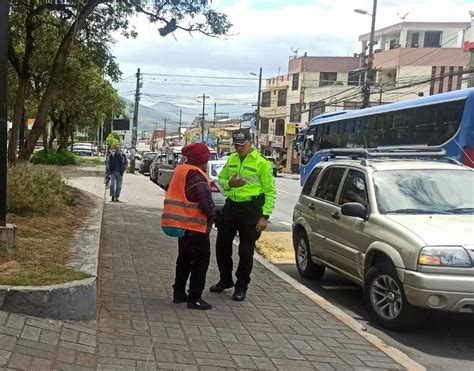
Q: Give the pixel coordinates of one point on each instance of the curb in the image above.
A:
(397, 355)
(76, 300)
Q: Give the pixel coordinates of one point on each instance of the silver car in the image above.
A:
(402, 229)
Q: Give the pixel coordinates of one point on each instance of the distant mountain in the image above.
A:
(152, 117)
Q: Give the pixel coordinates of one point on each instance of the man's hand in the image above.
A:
(261, 224)
(236, 182)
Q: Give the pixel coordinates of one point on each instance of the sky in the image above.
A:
(265, 34)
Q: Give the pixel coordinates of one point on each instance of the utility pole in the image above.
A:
(135, 123)
(164, 137)
(369, 74)
(215, 106)
(7, 231)
(203, 116)
(257, 115)
(4, 40)
(469, 47)
(179, 127)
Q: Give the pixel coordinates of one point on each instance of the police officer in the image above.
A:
(249, 186)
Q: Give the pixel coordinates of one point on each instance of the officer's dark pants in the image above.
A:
(241, 217)
(193, 259)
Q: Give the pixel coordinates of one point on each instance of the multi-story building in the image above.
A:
(411, 59)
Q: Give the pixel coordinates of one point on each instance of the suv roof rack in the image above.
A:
(365, 154)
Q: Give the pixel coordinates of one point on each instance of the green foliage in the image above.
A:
(113, 139)
(35, 190)
(61, 158)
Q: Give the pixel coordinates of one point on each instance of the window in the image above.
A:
(295, 83)
(432, 39)
(264, 128)
(281, 98)
(354, 78)
(415, 39)
(329, 184)
(327, 78)
(355, 188)
(266, 99)
(280, 127)
(316, 108)
(295, 113)
(308, 185)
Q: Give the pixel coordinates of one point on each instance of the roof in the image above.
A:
(438, 26)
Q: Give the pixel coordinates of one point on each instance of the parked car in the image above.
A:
(146, 161)
(155, 166)
(213, 169)
(173, 157)
(402, 229)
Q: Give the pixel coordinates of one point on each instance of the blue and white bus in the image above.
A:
(445, 120)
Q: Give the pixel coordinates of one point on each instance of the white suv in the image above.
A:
(403, 229)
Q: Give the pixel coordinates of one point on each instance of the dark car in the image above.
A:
(146, 162)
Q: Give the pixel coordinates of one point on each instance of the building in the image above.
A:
(410, 58)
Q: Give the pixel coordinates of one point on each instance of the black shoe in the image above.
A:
(179, 299)
(219, 287)
(198, 304)
(113, 199)
(239, 295)
(116, 199)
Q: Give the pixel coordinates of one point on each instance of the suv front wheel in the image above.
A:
(305, 265)
(386, 301)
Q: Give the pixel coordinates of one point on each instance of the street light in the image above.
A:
(4, 10)
(257, 115)
(369, 75)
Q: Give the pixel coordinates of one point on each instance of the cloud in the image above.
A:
(264, 33)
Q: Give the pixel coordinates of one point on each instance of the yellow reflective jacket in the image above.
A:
(257, 173)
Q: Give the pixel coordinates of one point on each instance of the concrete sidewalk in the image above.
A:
(138, 327)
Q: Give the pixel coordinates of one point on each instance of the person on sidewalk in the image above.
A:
(249, 186)
(189, 213)
(117, 164)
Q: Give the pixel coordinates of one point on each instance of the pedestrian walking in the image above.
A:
(117, 164)
(249, 186)
(188, 214)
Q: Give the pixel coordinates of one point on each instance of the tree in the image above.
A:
(90, 22)
(112, 139)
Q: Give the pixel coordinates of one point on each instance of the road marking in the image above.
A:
(285, 223)
(340, 287)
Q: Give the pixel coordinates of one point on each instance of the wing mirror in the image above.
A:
(355, 209)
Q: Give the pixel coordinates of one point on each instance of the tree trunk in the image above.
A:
(54, 129)
(58, 67)
(17, 119)
(45, 139)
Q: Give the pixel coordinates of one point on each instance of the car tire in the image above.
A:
(386, 301)
(304, 264)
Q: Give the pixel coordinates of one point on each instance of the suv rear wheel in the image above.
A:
(305, 265)
(386, 300)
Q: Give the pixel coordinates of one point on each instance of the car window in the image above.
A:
(355, 188)
(308, 185)
(329, 184)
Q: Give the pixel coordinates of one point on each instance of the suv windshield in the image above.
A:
(425, 191)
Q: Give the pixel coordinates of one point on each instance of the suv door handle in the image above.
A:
(336, 215)
(312, 206)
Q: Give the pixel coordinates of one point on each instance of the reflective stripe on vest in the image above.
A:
(178, 211)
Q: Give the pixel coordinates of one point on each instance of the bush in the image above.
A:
(33, 190)
(52, 157)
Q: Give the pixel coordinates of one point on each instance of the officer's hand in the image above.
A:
(236, 183)
(261, 224)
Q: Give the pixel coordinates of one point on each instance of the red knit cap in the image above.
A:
(196, 153)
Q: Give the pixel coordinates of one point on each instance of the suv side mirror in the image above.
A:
(355, 209)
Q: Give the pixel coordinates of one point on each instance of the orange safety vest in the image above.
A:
(178, 211)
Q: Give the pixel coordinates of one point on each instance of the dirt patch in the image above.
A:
(43, 246)
(276, 247)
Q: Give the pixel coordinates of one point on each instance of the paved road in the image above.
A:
(446, 343)
(288, 191)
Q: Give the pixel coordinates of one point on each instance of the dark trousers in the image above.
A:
(242, 218)
(193, 259)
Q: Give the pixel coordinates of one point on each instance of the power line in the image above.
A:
(203, 77)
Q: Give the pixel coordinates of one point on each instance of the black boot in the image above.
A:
(239, 294)
(180, 298)
(198, 304)
(220, 286)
